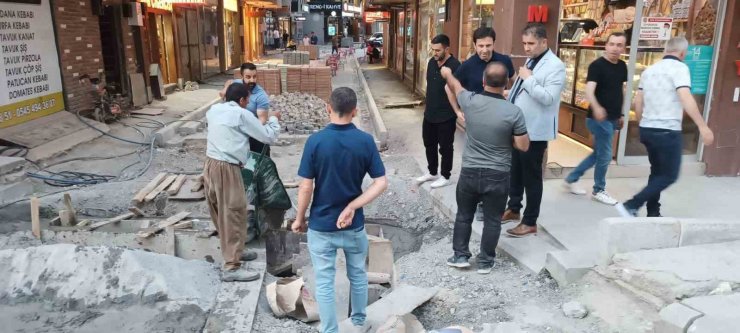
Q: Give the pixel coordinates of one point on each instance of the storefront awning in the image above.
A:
(264, 3)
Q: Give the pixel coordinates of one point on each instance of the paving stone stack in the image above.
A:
(313, 51)
(301, 113)
(270, 80)
(296, 58)
(293, 80)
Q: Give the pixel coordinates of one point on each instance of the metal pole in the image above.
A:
(627, 104)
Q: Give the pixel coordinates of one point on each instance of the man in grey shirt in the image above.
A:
(493, 127)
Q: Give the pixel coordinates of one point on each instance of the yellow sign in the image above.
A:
(231, 5)
(158, 4)
(21, 112)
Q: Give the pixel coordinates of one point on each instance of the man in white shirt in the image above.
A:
(230, 126)
(276, 37)
(664, 94)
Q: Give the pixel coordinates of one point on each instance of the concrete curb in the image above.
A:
(621, 235)
(381, 132)
(168, 132)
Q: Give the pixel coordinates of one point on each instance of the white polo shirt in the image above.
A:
(662, 107)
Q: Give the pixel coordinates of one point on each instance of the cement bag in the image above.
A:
(289, 297)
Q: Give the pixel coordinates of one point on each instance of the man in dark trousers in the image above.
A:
(335, 161)
(537, 92)
(314, 38)
(494, 128)
(438, 128)
(605, 92)
(470, 73)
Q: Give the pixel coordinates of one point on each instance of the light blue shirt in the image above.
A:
(229, 129)
(258, 98)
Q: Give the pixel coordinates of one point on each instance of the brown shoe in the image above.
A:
(510, 216)
(522, 230)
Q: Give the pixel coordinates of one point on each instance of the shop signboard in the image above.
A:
(30, 79)
(656, 28)
(371, 17)
(699, 60)
(324, 6)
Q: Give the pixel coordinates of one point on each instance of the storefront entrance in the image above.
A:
(162, 46)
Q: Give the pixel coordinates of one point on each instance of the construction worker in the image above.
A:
(230, 126)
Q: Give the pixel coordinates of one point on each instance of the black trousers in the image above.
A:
(476, 185)
(526, 176)
(439, 136)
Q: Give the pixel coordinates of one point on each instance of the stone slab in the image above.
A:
(679, 273)
(190, 127)
(701, 231)
(62, 144)
(399, 302)
(236, 304)
(718, 306)
(36, 132)
(712, 324)
(567, 267)
(15, 191)
(676, 318)
(9, 164)
(620, 235)
(381, 131)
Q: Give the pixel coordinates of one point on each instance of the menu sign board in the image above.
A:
(30, 79)
(656, 28)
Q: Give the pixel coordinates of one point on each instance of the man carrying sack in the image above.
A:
(230, 126)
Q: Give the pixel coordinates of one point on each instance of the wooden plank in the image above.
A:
(176, 185)
(35, 219)
(72, 215)
(162, 225)
(163, 185)
(183, 225)
(118, 218)
(170, 241)
(184, 194)
(197, 183)
(139, 197)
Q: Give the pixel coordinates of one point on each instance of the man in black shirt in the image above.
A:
(438, 129)
(605, 93)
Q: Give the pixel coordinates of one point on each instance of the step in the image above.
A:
(530, 252)
(236, 304)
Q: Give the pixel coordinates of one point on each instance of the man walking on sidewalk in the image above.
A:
(259, 101)
(335, 161)
(494, 127)
(440, 121)
(605, 94)
(229, 128)
(537, 92)
(663, 97)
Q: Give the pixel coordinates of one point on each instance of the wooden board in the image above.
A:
(187, 194)
(148, 112)
(35, 219)
(176, 185)
(163, 185)
(139, 197)
(118, 218)
(172, 220)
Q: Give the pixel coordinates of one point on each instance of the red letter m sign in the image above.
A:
(537, 13)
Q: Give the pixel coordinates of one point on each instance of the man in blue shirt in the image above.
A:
(334, 163)
(259, 102)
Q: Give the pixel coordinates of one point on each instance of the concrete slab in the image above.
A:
(676, 318)
(58, 146)
(620, 235)
(10, 164)
(36, 132)
(701, 231)
(719, 306)
(567, 267)
(529, 252)
(13, 192)
(399, 302)
(190, 127)
(678, 273)
(236, 304)
(711, 324)
(381, 131)
(168, 132)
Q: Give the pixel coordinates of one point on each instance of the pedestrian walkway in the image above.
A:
(567, 222)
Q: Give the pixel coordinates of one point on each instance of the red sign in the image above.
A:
(371, 17)
(537, 13)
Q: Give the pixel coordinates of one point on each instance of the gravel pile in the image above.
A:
(300, 113)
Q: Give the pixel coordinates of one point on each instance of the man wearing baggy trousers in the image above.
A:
(230, 126)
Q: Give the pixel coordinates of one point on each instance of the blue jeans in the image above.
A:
(603, 132)
(664, 149)
(323, 248)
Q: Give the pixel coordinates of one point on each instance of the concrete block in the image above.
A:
(190, 127)
(380, 256)
(567, 267)
(620, 235)
(167, 133)
(15, 191)
(698, 231)
(58, 146)
(381, 131)
(9, 164)
(711, 324)
(676, 318)
(375, 292)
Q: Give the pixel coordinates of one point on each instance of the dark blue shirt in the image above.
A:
(470, 73)
(337, 158)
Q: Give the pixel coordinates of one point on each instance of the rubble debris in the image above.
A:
(407, 323)
(575, 310)
(172, 220)
(724, 288)
(301, 113)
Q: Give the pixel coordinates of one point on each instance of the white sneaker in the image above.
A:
(604, 198)
(441, 182)
(573, 188)
(425, 178)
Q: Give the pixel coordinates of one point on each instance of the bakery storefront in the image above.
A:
(584, 27)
